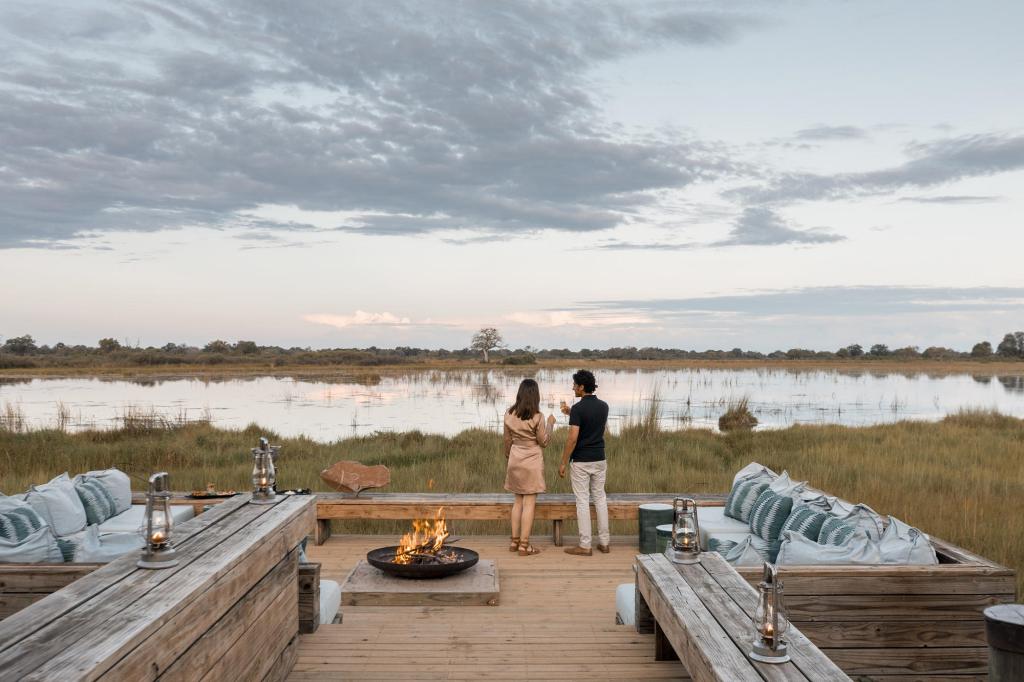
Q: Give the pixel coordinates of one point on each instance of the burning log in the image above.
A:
(424, 543)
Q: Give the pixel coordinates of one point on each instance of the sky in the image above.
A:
(688, 174)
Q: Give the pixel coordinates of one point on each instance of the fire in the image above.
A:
(425, 541)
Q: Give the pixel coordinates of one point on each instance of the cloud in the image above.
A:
(834, 301)
(953, 199)
(417, 116)
(932, 163)
(756, 226)
(570, 318)
(359, 319)
(820, 133)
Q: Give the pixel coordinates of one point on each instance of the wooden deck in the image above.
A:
(556, 621)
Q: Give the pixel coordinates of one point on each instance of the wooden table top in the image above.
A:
(709, 614)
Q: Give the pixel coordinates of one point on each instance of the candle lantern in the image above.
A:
(770, 622)
(264, 476)
(685, 532)
(156, 527)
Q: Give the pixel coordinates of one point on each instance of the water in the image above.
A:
(449, 402)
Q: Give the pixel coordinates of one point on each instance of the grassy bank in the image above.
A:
(961, 479)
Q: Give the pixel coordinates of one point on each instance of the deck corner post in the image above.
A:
(556, 532)
(1004, 629)
(323, 530)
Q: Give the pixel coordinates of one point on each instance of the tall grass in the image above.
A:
(961, 479)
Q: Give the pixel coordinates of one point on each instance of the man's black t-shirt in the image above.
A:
(591, 415)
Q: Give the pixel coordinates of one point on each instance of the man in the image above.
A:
(585, 450)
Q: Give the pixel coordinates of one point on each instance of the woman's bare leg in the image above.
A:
(517, 515)
(529, 504)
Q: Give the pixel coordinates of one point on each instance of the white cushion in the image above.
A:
(131, 520)
(754, 470)
(713, 521)
(726, 537)
(784, 485)
(839, 507)
(746, 552)
(904, 545)
(864, 518)
(330, 600)
(816, 499)
(625, 604)
(92, 548)
(797, 550)
(117, 484)
(59, 504)
(38, 547)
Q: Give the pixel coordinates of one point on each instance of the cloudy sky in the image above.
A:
(578, 174)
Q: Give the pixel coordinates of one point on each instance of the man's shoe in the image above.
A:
(578, 551)
(604, 549)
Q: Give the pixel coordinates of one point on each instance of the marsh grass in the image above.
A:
(737, 416)
(961, 479)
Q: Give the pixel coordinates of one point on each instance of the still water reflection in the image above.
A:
(448, 402)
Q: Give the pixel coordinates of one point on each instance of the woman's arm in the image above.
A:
(543, 435)
(508, 441)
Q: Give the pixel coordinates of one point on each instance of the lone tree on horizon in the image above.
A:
(486, 340)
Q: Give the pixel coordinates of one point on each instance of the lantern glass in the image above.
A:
(157, 551)
(769, 620)
(685, 532)
(264, 474)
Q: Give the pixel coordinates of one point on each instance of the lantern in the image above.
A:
(156, 527)
(770, 622)
(264, 476)
(685, 532)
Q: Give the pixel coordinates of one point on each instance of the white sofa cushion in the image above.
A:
(863, 517)
(858, 549)
(714, 522)
(131, 520)
(755, 471)
(784, 485)
(751, 551)
(330, 600)
(58, 503)
(116, 483)
(901, 544)
(37, 547)
(88, 546)
(625, 604)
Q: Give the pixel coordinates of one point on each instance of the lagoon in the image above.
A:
(446, 402)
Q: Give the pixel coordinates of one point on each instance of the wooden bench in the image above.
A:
(479, 506)
(228, 609)
(702, 614)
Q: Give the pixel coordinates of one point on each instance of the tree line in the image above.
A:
(24, 352)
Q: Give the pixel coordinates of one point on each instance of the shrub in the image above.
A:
(737, 417)
(520, 359)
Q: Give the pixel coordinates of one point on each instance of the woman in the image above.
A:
(526, 436)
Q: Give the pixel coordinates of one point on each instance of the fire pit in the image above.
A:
(423, 552)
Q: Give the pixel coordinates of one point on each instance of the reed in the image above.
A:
(961, 479)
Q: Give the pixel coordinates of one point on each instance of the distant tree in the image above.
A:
(982, 349)
(20, 345)
(1012, 345)
(246, 347)
(939, 353)
(108, 345)
(907, 352)
(879, 350)
(486, 340)
(217, 346)
(854, 350)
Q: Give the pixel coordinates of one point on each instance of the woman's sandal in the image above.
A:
(526, 549)
(514, 547)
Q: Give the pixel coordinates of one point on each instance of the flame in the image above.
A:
(427, 537)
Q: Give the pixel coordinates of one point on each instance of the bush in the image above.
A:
(520, 359)
(737, 417)
(8, 361)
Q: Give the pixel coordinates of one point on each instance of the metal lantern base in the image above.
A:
(766, 654)
(265, 498)
(159, 558)
(682, 557)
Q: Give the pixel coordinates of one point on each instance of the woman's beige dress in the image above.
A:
(525, 474)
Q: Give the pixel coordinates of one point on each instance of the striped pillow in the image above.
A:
(805, 520)
(720, 546)
(98, 502)
(751, 551)
(742, 497)
(835, 532)
(18, 522)
(769, 514)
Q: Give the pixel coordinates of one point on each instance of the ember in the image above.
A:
(426, 542)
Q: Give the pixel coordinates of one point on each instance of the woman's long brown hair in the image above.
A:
(527, 400)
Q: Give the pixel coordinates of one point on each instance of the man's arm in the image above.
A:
(570, 445)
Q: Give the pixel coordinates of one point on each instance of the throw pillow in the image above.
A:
(18, 520)
(742, 497)
(38, 547)
(751, 551)
(858, 549)
(901, 544)
(96, 499)
(768, 515)
(865, 518)
(58, 503)
(754, 471)
(784, 485)
(805, 520)
(835, 532)
(117, 484)
(720, 545)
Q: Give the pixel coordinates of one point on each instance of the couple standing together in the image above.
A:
(527, 433)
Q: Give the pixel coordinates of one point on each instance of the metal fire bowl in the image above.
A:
(382, 558)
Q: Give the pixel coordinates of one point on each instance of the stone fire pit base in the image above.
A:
(368, 586)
